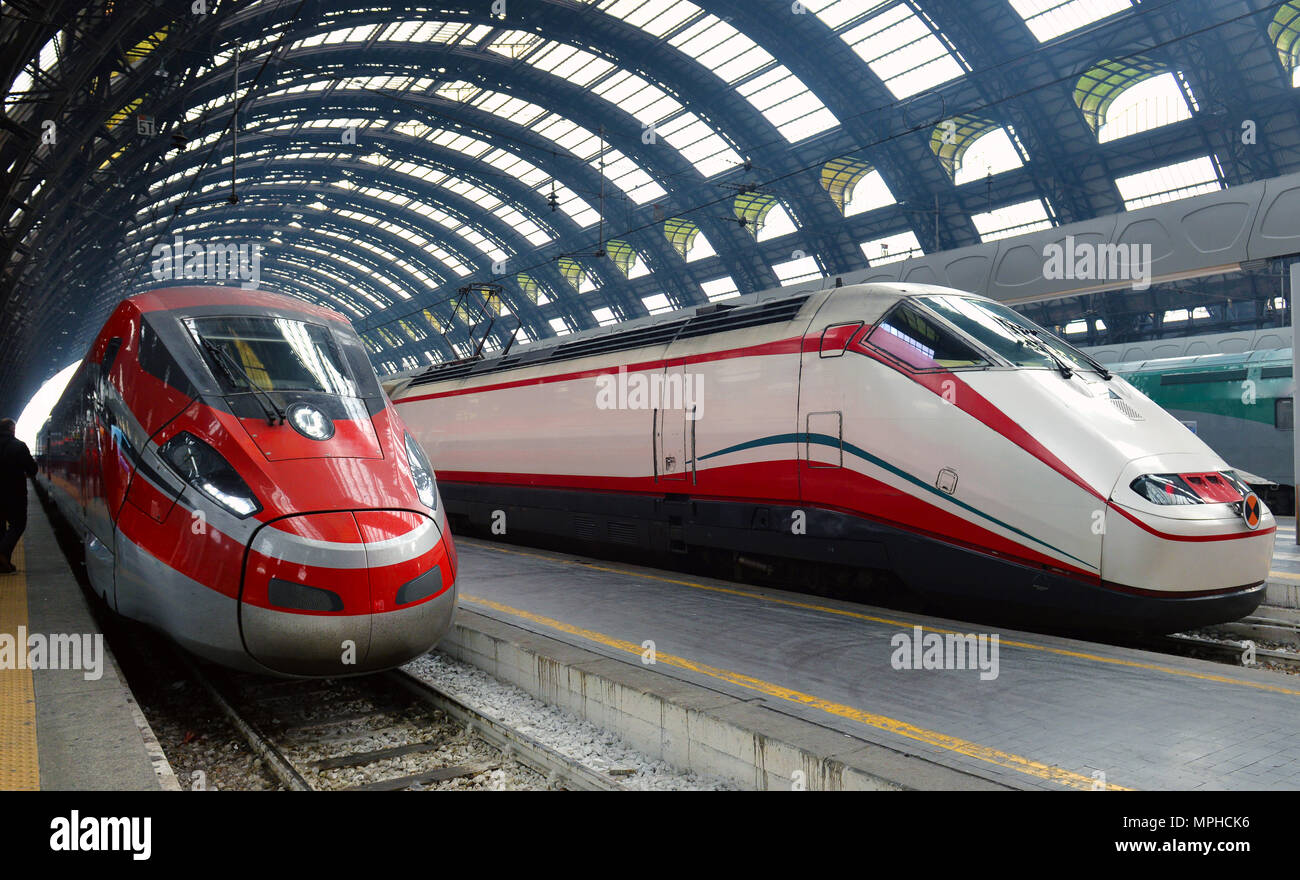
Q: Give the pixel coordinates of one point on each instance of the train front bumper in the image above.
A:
(346, 593)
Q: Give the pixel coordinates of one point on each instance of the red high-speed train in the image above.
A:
(242, 483)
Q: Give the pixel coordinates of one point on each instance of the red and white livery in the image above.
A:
(911, 428)
(242, 483)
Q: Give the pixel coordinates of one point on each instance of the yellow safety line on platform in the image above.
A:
(1284, 575)
(842, 612)
(19, 769)
(1048, 772)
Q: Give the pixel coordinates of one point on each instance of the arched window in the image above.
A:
(1119, 98)
(1284, 31)
(990, 153)
(973, 147)
(1150, 104)
(855, 186)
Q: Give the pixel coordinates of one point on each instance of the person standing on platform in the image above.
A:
(16, 465)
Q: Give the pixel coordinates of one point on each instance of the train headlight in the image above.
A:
(421, 473)
(1165, 489)
(310, 422)
(203, 468)
(1210, 487)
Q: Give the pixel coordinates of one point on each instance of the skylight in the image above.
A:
(800, 269)
(1048, 19)
(769, 86)
(776, 223)
(720, 288)
(891, 248)
(657, 303)
(868, 194)
(991, 153)
(1150, 104)
(903, 51)
(1169, 183)
(1012, 220)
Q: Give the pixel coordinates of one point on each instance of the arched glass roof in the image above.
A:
(560, 165)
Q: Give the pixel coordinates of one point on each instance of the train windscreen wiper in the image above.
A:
(264, 400)
(1038, 345)
(1092, 362)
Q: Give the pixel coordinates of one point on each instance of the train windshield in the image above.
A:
(271, 354)
(1007, 333)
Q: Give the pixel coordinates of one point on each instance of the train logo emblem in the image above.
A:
(1250, 511)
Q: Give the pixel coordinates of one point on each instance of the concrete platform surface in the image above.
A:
(1283, 587)
(1052, 713)
(80, 727)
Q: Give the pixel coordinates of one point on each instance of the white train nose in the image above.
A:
(1197, 541)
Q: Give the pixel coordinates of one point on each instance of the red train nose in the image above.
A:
(318, 589)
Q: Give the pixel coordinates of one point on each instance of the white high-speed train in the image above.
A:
(917, 429)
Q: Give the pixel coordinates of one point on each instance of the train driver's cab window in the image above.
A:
(908, 335)
(271, 354)
(1284, 413)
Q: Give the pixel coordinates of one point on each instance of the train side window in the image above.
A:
(908, 335)
(1284, 413)
(110, 354)
(157, 360)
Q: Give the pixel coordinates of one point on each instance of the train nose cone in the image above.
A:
(346, 592)
(412, 584)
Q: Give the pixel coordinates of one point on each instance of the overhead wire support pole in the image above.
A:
(234, 132)
(1295, 362)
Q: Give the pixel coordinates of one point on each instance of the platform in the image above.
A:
(67, 728)
(1283, 587)
(1061, 713)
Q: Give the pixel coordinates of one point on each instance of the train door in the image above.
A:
(822, 396)
(674, 435)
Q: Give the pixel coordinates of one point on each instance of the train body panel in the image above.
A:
(809, 418)
(208, 522)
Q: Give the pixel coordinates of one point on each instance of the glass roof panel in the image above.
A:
(1012, 220)
(990, 153)
(891, 248)
(1149, 104)
(868, 194)
(903, 50)
(1169, 183)
(720, 288)
(800, 269)
(731, 55)
(1048, 19)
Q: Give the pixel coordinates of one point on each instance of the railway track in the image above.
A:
(1272, 637)
(385, 732)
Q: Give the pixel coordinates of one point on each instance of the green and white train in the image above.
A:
(1241, 405)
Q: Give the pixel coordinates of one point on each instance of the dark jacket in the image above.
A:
(16, 465)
